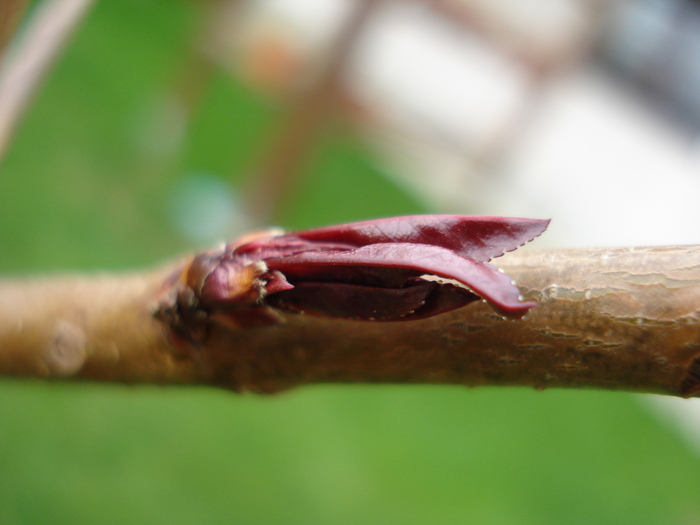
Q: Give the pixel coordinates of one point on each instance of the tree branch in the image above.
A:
(47, 32)
(98, 328)
(306, 117)
(619, 319)
(11, 12)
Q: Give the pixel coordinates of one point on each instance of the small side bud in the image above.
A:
(234, 283)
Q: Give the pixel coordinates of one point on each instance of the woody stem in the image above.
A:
(620, 319)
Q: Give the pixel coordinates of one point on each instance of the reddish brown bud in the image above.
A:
(395, 269)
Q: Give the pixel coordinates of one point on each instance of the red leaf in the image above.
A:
(368, 270)
(351, 301)
(481, 238)
(484, 280)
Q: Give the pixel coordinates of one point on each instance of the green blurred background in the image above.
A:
(79, 191)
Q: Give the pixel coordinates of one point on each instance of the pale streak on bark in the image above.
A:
(41, 42)
(618, 319)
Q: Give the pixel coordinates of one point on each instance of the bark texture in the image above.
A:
(620, 319)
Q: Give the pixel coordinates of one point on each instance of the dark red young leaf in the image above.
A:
(283, 246)
(385, 270)
(417, 300)
(481, 238)
(483, 279)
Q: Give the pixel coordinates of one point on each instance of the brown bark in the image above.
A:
(97, 328)
(620, 319)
